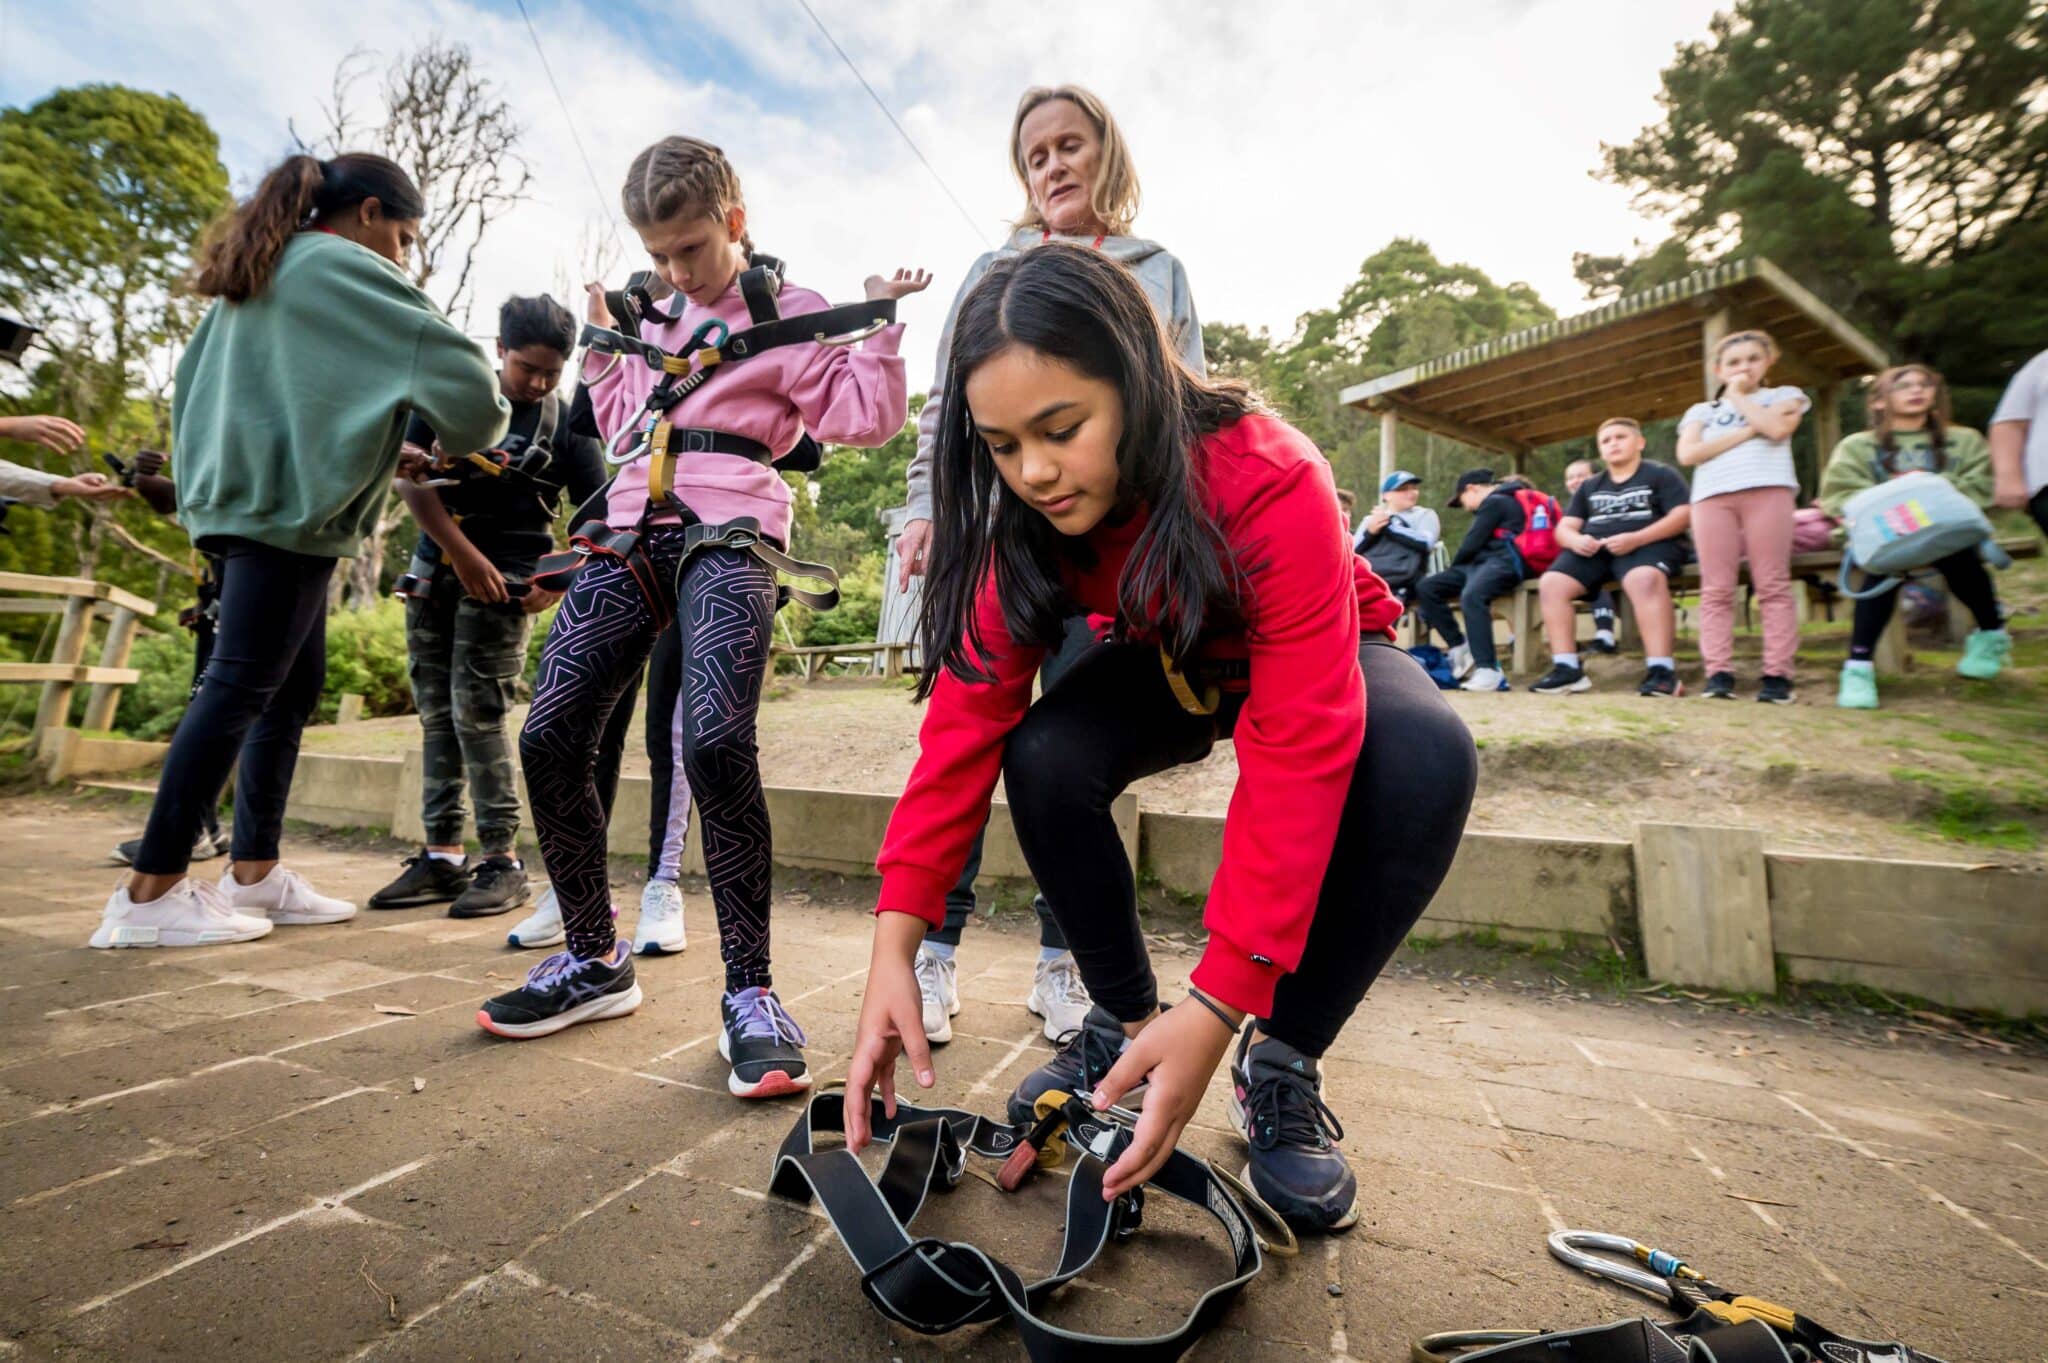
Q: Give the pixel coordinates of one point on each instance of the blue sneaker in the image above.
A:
(1984, 654)
(562, 991)
(1276, 1101)
(1858, 690)
(1084, 1057)
(763, 1044)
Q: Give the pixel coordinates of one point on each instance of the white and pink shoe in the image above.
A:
(191, 913)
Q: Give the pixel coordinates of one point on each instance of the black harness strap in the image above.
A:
(744, 534)
(934, 1286)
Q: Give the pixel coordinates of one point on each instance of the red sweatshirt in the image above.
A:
(1308, 598)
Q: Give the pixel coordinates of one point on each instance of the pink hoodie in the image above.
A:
(844, 395)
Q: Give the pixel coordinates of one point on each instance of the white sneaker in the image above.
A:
(936, 981)
(1484, 679)
(191, 913)
(1058, 996)
(660, 930)
(542, 927)
(284, 897)
(1461, 661)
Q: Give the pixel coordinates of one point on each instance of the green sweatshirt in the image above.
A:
(290, 407)
(1853, 466)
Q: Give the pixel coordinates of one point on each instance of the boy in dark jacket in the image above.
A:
(1485, 568)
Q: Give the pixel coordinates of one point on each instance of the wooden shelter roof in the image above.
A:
(1643, 355)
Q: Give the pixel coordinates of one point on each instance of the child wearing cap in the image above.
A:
(1397, 534)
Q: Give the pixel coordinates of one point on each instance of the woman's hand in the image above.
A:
(891, 1025)
(903, 283)
(51, 432)
(911, 547)
(594, 310)
(1180, 1050)
(414, 463)
(479, 577)
(89, 487)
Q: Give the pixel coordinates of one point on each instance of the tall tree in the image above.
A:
(104, 191)
(446, 123)
(1884, 151)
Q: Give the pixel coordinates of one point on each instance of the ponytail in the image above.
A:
(241, 250)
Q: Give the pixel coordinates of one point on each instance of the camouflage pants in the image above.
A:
(465, 658)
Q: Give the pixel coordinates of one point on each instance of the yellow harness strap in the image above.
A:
(1184, 691)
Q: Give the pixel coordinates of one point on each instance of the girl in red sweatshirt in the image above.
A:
(1081, 468)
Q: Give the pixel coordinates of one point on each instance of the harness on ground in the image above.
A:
(710, 350)
(1717, 1325)
(936, 1286)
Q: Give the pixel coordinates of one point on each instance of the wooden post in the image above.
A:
(1705, 907)
(1712, 328)
(55, 709)
(1390, 441)
(350, 709)
(1827, 427)
(99, 706)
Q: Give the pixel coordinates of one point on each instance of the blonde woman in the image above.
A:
(1080, 188)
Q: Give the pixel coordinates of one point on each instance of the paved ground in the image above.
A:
(255, 1152)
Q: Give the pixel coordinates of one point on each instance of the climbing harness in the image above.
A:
(710, 350)
(934, 1286)
(520, 464)
(1718, 1326)
(1202, 693)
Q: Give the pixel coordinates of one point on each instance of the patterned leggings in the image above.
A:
(594, 652)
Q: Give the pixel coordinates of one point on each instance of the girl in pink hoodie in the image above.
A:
(683, 198)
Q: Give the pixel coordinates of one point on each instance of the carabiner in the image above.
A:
(1569, 1246)
(700, 339)
(852, 337)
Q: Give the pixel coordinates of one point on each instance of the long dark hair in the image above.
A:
(1075, 306)
(1938, 418)
(242, 249)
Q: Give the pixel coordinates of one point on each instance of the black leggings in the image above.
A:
(1966, 577)
(594, 652)
(261, 683)
(664, 684)
(1113, 720)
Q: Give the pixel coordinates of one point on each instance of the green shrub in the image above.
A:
(366, 654)
(859, 613)
(150, 708)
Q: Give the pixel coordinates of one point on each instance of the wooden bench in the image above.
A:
(813, 659)
(1814, 577)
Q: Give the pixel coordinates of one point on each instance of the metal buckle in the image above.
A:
(852, 337)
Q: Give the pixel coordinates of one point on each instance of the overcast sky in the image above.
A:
(1279, 142)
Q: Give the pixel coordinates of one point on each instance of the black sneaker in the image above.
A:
(562, 991)
(1084, 1057)
(1561, 679)
(1720, 686)
(1661, 681)
(205, 847)
(1276, 1101)
(1775, 690)
(763, 1044)
(426, 879)
(497, 884)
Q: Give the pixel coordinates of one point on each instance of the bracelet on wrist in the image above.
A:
(1216, 1008)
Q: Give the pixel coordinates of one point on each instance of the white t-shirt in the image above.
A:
(1420, 524)
(1756, 462)
(2026, 399)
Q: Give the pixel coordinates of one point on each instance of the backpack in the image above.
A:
(1906, 523)
(1537, 542)
(1437, 664)
(1398, 563)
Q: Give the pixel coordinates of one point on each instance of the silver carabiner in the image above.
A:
(613, 458)
(1569, 1246)
(852, 337)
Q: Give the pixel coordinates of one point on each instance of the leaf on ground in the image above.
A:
(161, 1242)
(396, 1010)
(1761, 1201)
(418, 1084)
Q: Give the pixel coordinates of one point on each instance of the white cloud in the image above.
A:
(1280, 143)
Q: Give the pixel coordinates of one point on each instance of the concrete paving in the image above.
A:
(304, 1148)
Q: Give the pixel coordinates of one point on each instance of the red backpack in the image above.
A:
(1537, 542)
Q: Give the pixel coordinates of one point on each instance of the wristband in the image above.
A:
(1197, 996)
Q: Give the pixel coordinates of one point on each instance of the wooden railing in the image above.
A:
(813, 659)
(82, 602)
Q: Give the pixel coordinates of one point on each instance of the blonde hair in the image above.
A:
(682, 177)
(1627, 421)
(1114, 196)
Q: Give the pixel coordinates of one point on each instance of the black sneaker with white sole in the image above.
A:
(425, 879)
(562, 991)
(763, 1044)
(1720, 686)
(1276, 1101)
(1661, 681)
(1083, 1058)
(1561, 679)
(497, 884)
(1775, 690)
(206, 845)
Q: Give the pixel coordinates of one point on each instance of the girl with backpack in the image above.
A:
(682, 196)
(1910, 431)
(316, 331)
(1080, 466)
(1744, 494)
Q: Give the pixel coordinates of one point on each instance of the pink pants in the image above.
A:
(1755, 523)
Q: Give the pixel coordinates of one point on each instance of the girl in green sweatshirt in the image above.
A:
(1910, 431)
(291, 403)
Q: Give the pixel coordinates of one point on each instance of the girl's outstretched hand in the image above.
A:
(594, 310)
(891, 1025)
(902, 284)
(1180, 1050)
